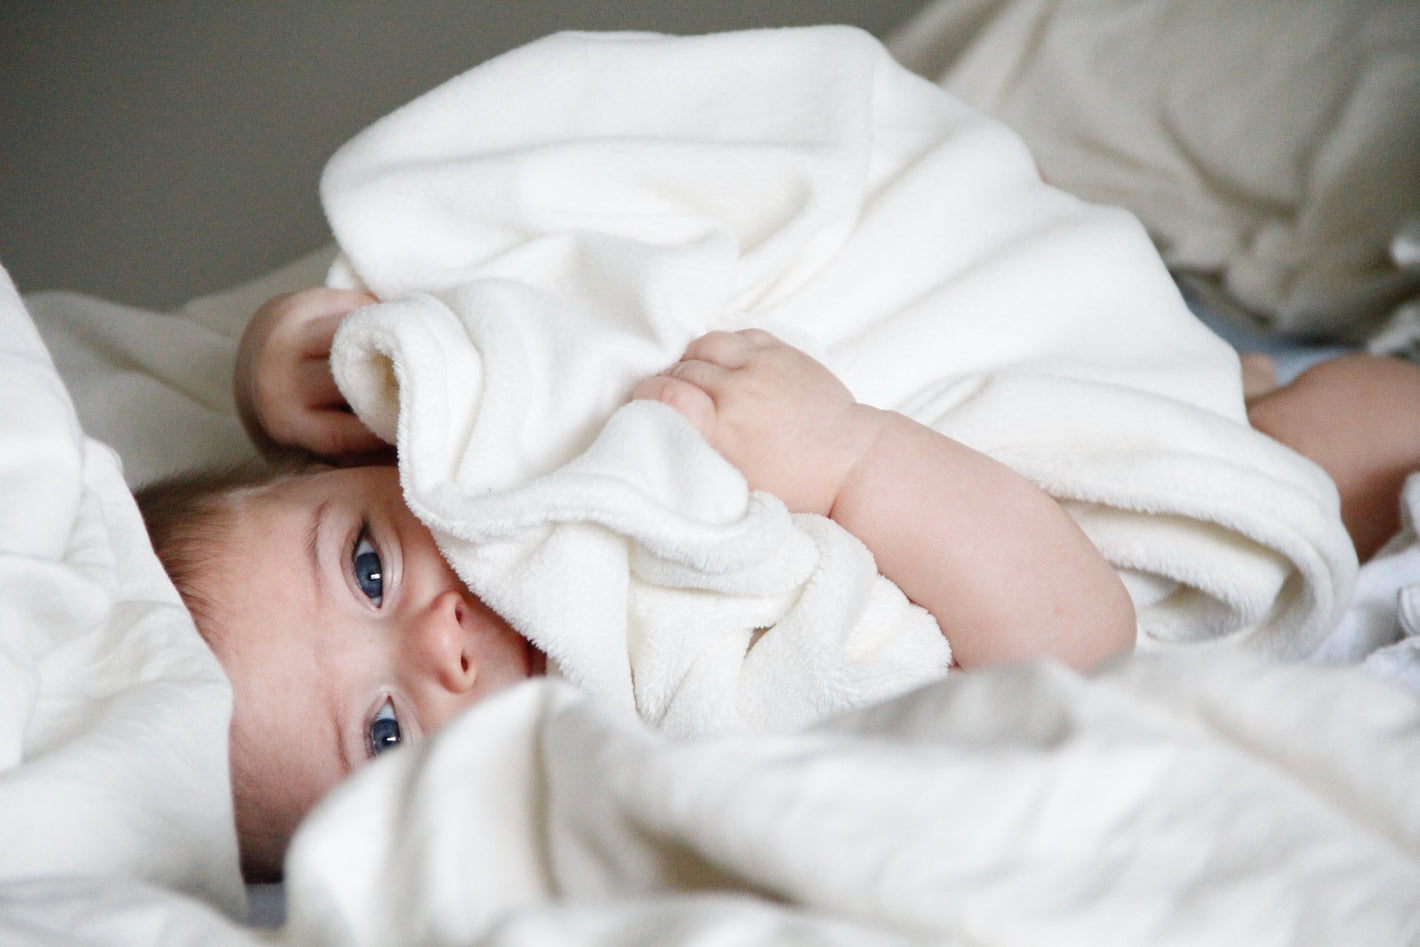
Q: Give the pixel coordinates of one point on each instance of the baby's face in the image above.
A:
(345, 633)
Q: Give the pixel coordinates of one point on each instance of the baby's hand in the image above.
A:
(782, 418)
(285, 392)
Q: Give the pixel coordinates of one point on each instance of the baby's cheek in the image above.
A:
(506, 658)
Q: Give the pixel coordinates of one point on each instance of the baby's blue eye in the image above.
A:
(383, 732)
(369, 571)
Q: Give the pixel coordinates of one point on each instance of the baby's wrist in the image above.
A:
(864, 442)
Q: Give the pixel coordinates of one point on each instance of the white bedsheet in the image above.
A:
(1382, 625)
(157, 386)
(113, 713)
(1169, 799)
(1173, 799)
(558, 223)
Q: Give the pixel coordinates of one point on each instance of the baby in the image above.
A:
(345, 633)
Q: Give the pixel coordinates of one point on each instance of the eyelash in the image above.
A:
(363, 541)
(382, 733)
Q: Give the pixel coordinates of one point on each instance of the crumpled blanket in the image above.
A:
(1188, 799)
(1193, 799)
(552, 226)
(113, 713)
(1381, 627)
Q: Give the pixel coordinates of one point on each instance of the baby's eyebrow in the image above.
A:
(313, 532)
(337, 732)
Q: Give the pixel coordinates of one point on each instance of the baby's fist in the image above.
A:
(790, 426)
(284, 389)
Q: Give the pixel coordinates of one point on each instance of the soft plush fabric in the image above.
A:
(1272, 147)
(558, 223)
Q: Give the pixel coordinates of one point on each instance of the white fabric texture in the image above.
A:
(559, 222)
(157, 386)
(113, 713)
(1181, 799)
(1272, 146)
(1165, 800)
(1382, 625)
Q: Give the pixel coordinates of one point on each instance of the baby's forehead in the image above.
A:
(306, 488)
(254, 508)
(324, 493)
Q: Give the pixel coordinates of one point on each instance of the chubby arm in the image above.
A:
(285, 393)
(1005, 571)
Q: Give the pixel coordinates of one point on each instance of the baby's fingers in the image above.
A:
(312, 336)
(728, 349)
(315, 385)
(689, 400)
(337, 434)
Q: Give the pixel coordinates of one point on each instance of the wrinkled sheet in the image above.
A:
(113, 712)
(157, 386)
(1381, 628)
(559, 222)
(1165, 800)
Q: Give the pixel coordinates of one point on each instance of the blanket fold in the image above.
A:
(556, 224)
(1198, 799)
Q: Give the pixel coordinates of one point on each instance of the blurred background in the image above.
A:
(152, 151)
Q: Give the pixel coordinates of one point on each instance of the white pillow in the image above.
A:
(1272, 146)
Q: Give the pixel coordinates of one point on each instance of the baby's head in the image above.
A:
(342, 628)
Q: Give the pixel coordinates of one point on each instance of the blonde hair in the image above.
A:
(189, 518)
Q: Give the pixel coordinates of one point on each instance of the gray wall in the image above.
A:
(154, 150)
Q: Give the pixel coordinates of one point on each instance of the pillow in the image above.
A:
(1272, 148)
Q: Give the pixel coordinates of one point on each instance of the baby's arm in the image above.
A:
(1004, 570)
(285, 393)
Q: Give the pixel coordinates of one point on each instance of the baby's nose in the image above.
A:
(442, 641)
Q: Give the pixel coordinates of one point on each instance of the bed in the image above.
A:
(1188, 794)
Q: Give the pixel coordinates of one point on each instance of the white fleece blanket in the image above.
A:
(559, 222)
(113, 713)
